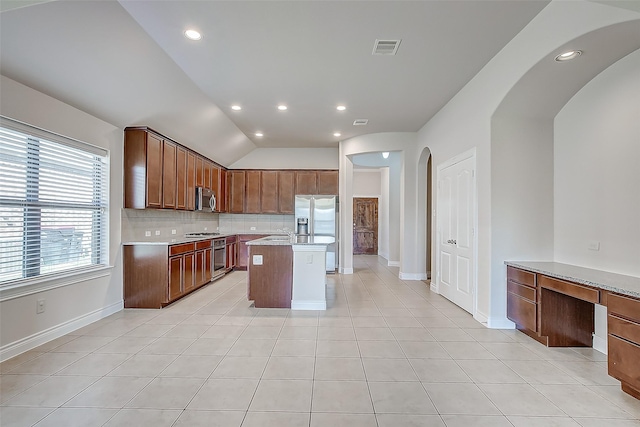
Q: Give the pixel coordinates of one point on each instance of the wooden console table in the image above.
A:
(554, 304)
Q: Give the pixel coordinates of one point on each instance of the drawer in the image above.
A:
(522, 291)
(628, 308)
(521, 276)
(203, 244)
(623, 328)
(231, 239)
(583, 293)
(522, 312)
(623, 361)
(180, 249)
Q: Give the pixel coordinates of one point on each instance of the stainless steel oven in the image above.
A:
(219, 258)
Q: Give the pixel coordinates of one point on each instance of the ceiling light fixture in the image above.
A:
(282, 107)
(236, 107)
(341, 108)
(568, 56)
(337, 134)
(385, 155)
(259, 134)
(192, 35)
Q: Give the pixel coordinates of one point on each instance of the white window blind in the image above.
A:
(53, 203)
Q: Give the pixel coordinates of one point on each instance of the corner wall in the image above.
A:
(76, 304)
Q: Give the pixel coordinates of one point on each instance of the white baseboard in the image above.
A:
(434, 287)
(413, 276)
(481, 317)
(393, 263)
(600, 344)
(309, 305)
(346, 270)
(500, 323)
(15, 348)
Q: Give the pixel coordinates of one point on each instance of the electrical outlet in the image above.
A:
(593, 245)
(205, 229)
(257, 260)
(157, 232)
(40, 306)
(173, 231)
(147, 234)
(310, 259)
(253, 229)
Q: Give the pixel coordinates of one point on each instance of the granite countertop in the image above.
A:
(620, 283)
(283, 240)
(179, 240)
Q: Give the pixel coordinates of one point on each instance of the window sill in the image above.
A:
(47, 282)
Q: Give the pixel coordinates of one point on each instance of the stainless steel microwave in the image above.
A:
(205, 200)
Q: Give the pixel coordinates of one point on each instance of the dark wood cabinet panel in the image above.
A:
(622, 361)
(286, 192)
(199, 171)
(191, 181)
(181, 178)
(154, 171)
(328, 182)
(188, 282)
(270, 284)
(306, 182)
(169, 175)
(215, 185)
(242, 260)
(252, 192)
(207, 165)
(269, 192)
(236, 191)
(176, 270)
(223, 191)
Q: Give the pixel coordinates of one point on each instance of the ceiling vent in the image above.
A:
(385, 47)
(360, 122)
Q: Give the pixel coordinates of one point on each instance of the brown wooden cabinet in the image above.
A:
(142, 169)
(522, 299)
(156, 275)
(270, 283)
(236, 191)
(623, 327)
(327, 182)
(286, 192)
(269, 192)
(169, 174)
(154, 171)
(306, 182)
(199, 171)
(242, 260)
(222, 200)
(232, 248)
(191, 181)
(252, 192)
(181, 178)
(215, 185)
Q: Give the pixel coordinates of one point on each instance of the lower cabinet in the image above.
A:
(623, 326)
(242, 261)
(521, 299)
(232, 249)
(156, 275)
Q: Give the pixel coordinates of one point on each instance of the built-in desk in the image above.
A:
(554, 304)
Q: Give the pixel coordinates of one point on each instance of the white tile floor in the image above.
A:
(386, 353)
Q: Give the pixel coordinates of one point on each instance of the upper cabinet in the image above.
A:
(236, 191)
(160, 173)
(306, 182)
(269, 191)
(252, 192)
(328, 182)
(286, 192)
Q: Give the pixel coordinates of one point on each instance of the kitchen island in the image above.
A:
(288, 272)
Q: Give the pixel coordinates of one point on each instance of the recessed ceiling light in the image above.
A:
(282, 107)
(568, 56)
(341, 108)
(236, 107)
(385, 154)
(259, 134)
(192, 35)
(337, 134)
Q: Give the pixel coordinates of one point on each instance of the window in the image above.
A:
(53, 203)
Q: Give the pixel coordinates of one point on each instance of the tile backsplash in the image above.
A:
(247, 223)
(135, 222)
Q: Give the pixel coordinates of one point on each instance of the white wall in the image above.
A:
(75, 304)
(366, 183)
(465, 123)
(384, 209)
(289, 158)
(597, 173)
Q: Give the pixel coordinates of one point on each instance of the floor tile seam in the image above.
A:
(574, 375)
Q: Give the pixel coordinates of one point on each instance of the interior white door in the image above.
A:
(456, 234)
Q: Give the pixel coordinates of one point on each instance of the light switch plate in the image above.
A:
(147, 234)
(157, 232)
(257, 260)
(593, 245)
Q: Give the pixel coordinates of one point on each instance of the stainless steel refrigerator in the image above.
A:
(322, 212)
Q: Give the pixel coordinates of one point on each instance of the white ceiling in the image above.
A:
(128, 63)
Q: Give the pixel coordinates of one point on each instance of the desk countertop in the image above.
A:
(620, 283)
